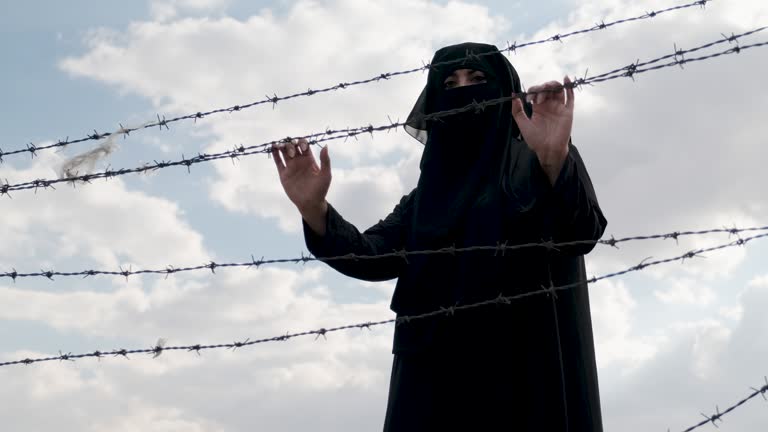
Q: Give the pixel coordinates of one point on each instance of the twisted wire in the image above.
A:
(159, 348)
(500, 249)
(161, 122)
(629, 71)
(718, 416)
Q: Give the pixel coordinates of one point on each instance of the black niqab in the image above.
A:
(477, 175)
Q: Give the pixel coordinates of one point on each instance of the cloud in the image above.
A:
(759, 281)
(104, 222)
(164, 10)
(616, 345)
(702, 364)
(686, 291)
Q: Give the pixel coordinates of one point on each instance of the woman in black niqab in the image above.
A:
(528, 365)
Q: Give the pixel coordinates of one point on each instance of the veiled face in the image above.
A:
(464, 77)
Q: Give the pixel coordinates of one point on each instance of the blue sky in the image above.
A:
(663, 153)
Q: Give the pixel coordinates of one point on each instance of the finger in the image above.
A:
(531, 95)
(552, 91)
(308, 152)
(325, 160)
(518, 113)
(288, 151)
(544, 93)
(278, 159)
(303, 146)
(558, 93)
(569, 92)
(291, 148)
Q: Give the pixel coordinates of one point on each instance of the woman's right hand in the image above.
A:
(305, 183)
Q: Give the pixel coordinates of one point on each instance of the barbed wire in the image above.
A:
(629, 71)
(159, 348)
(714, 418)
(161, 122)
(500, 249)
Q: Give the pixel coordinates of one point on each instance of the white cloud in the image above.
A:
(733, 313)
(164, 10)
(701, 364)
(104, 222)
(686, 291)
(759, 281)
(612, 321)
(152, 419)
(709, 339)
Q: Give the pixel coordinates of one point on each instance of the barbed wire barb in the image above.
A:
(236, 345)
(65, 357)
(763, 389)
(714, 417)
(157, 350)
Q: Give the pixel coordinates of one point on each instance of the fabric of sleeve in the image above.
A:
(573, 208)
(342, 238)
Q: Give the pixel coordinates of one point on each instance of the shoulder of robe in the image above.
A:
(406, 202)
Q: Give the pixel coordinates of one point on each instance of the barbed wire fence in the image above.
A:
(500, 248)
(678, 58)
(449, 311)
(162, 122)
(631, 71)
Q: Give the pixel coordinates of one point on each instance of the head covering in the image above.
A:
(468, 55)
(473, 162)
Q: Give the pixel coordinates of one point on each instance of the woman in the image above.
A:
(506, 174)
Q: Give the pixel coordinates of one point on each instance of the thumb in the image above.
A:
(325, 161)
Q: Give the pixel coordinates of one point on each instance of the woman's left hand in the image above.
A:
(548, 131)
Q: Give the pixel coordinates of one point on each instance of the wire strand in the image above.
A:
(499, 249)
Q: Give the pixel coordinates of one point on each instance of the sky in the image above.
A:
(675, 149)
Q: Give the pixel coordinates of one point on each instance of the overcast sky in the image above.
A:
(676, 149)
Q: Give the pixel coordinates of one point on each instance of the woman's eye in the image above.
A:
(450, 84)
(478, 78)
